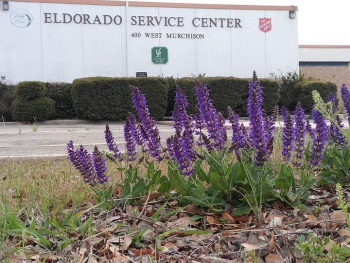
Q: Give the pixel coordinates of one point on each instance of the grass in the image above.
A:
(46, 183)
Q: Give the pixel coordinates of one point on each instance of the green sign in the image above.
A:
(159, 55)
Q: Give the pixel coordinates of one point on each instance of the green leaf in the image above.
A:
(243, 210)
(85, 227)
(177, 180)
(159, 210)
(218, 183)
(196, 217)
(202, 175)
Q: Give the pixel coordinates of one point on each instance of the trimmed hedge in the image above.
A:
(104, 98)
(30, 102)
(305, 88)
(38, 109)
(61, 93)
(226, 91)
(7, 95)
(30, 90)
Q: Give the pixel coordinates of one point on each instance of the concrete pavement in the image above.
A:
(50, 140)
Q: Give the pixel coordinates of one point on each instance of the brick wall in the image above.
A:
(337, 74)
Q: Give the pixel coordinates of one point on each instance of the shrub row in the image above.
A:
(296, 88)
(104, 98)
(7, 95)
(226, 91)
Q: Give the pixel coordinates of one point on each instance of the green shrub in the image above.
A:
(40, 109)
(305, 89)
(289, 91)
(226, 91)
(31, 102)
(30, 90)
(7, 95)
(103, 98)
(61, 93)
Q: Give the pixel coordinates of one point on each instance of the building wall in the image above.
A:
(56, 51)
(336, 74)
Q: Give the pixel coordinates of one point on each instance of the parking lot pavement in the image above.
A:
(50, 140)
(19, 141)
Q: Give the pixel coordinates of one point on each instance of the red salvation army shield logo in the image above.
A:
(265, 24)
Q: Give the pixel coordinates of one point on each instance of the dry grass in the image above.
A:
(46, 183)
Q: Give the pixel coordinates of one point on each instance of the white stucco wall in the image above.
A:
(324, 54)
(66, 51)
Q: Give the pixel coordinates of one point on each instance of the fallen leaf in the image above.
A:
(145, 251)
(344, 232)
(272, 244)
(249, 247)
(152, 196)
(273, 258)
(330, 245)
(313, 217)
(127, 242)
(228, 217)
(183, 222)
(212, 220)
(275, 220)
(338, 215)
(117, 256)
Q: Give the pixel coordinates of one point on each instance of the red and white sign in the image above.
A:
(265, 24)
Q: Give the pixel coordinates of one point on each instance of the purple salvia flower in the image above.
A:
(239, 141)
(269, 129)
(151, 133)
(309, 129)
(100, 166)
(199, 126)
(179, 113)
(181, 145)
(130, 139)
(210, 118)
(182, 155)
(299, 132)
(345, 95)
(335, 134)
(72, 154)
(257, 133)
(287, 134)
(112, 146)
(170, 146)
(319, 139)
(86, 167)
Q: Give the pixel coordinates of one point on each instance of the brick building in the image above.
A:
(326, 62)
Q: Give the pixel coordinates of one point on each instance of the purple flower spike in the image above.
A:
(239, 139)
(345, 95)
(100, 166)
(287, 134)
(319, 140)
(86, 167)
(149, 130)
(257, 132)
(210, 118)
(299, 132)
(334, 133)
(181, 145)
(269, 128)
(112, 146)
(130, 139)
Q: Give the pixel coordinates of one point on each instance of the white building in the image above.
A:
(61, 40)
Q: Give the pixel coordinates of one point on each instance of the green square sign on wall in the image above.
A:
(159, 55)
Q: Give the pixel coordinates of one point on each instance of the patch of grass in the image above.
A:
(45, 183)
